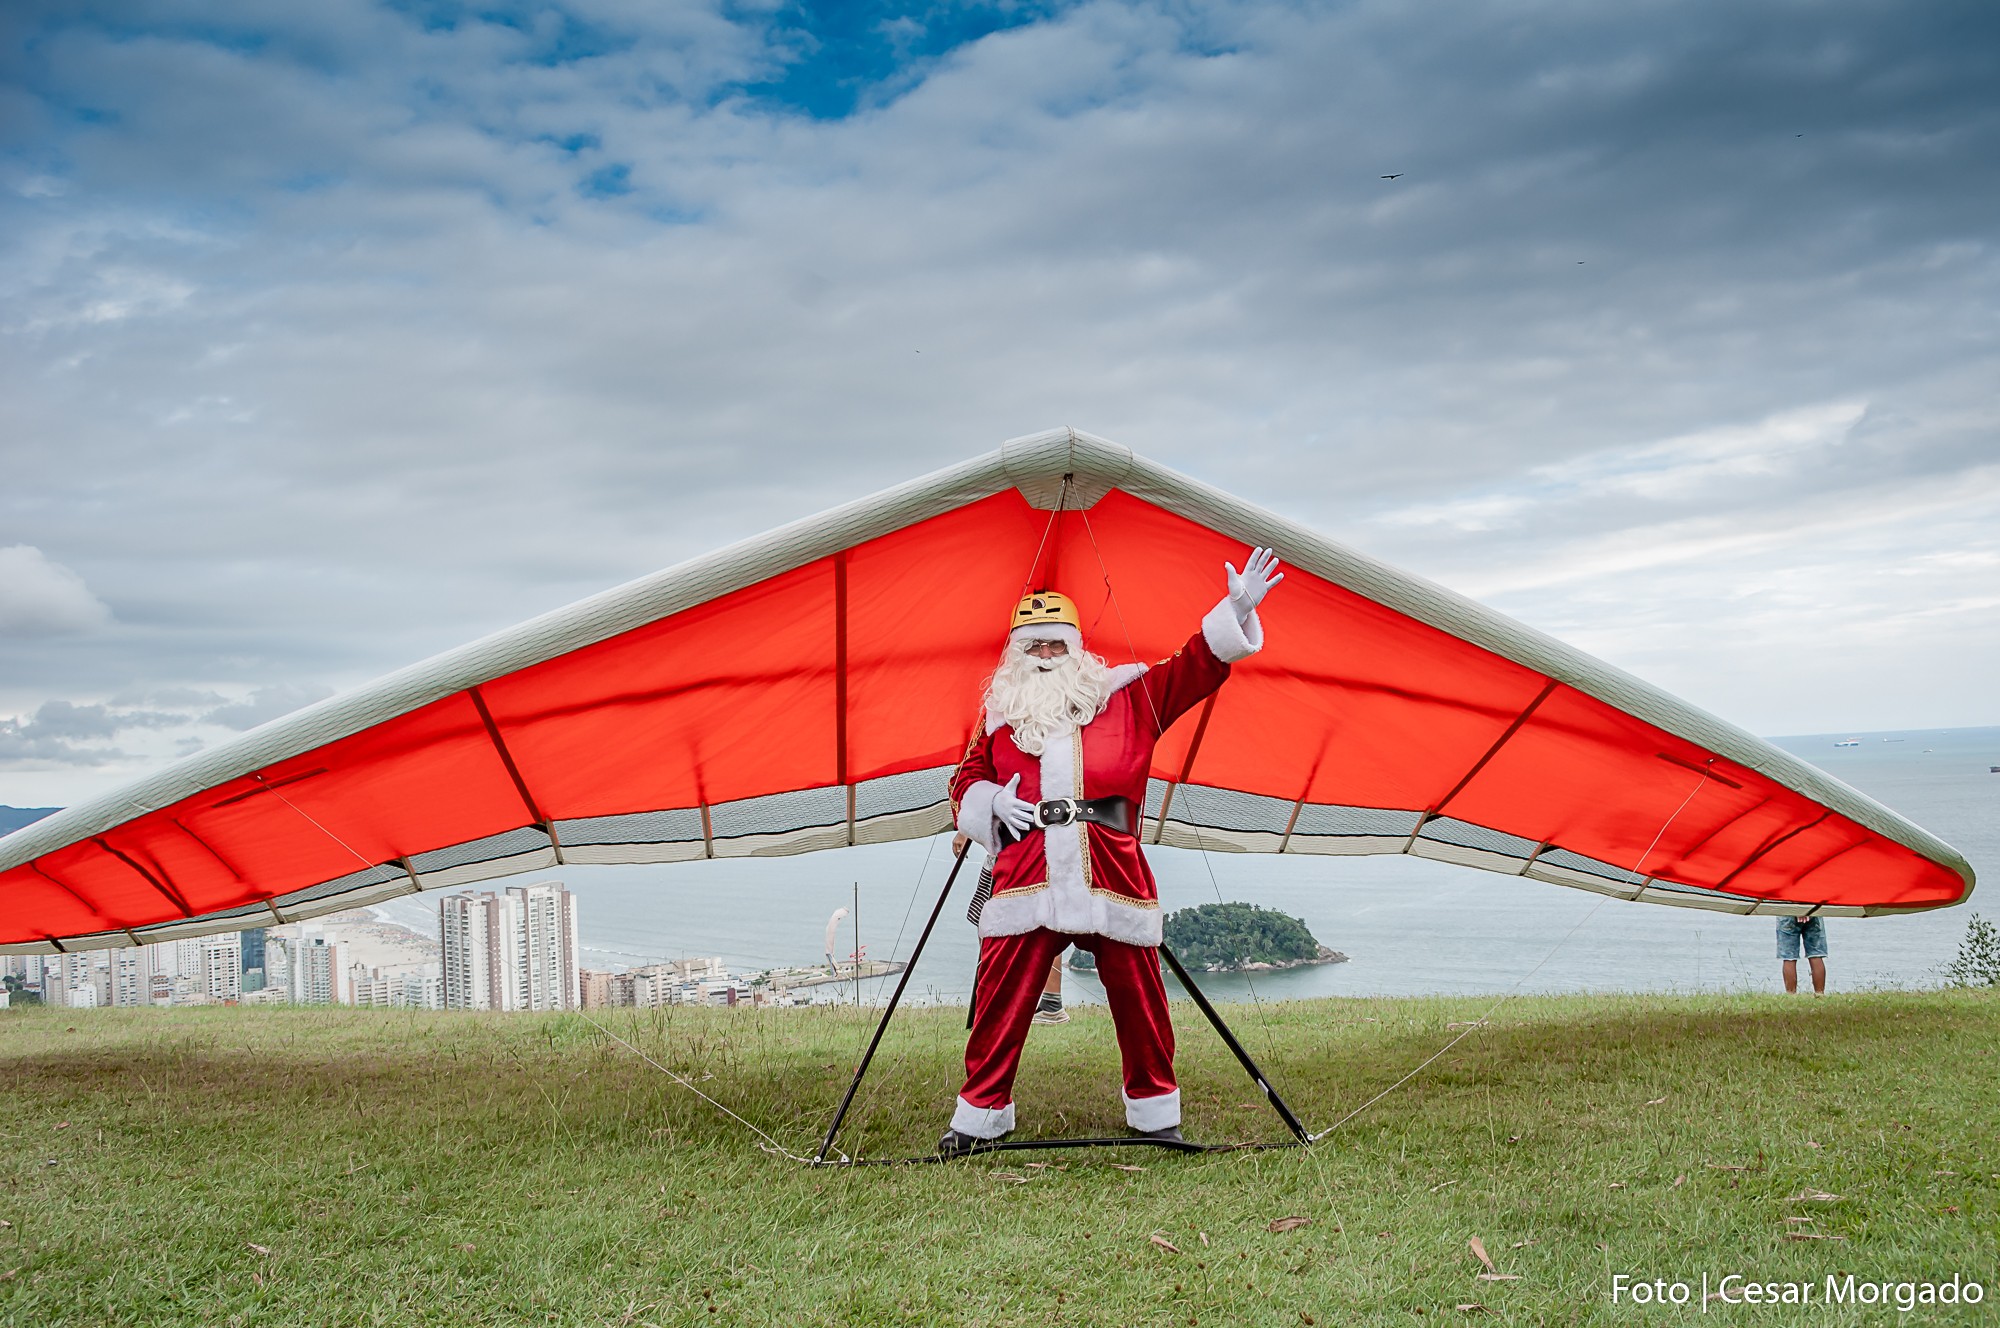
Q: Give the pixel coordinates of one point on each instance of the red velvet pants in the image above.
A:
(1011, 973)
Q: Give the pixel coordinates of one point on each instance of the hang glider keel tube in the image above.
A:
(1300, 1139)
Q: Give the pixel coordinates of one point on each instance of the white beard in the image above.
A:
(1045, 698)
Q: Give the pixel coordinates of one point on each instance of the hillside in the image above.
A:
(281, 1166)
(13, 818)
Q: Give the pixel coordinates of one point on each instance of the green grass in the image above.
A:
(400, 1168)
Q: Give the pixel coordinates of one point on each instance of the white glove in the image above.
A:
(1015, 813)
(1248, 587)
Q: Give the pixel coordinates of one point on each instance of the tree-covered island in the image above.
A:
(1227, 938)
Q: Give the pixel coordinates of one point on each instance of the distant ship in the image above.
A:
(1848, 742)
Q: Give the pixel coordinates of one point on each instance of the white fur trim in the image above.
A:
(975, 816)
(1230, 638)
(1145, 1113)
(992, 1122)
(1050, 632)
(1133, 923)
(1017, 912)
(1063, 846)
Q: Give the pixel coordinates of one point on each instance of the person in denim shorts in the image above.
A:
(1809, 934)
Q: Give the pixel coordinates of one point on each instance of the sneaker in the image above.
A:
(954, 1144)
(1049, 1010)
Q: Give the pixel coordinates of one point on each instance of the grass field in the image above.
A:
(332, 1166)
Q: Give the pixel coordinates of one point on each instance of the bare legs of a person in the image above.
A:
(1818, 975)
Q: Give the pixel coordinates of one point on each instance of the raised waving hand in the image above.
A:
(1248, 587)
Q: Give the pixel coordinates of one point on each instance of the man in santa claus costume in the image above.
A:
(1052, 786)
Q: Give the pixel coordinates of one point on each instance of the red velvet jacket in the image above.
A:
(1089, 879)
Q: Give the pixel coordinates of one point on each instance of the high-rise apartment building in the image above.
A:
(221, 971)
(545, 947)
(184, 961)
(516, 951)
(131, 975)
(476, 932)
(317, 972)
(254, 942)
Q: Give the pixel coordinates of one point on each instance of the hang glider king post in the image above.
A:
(810, 689)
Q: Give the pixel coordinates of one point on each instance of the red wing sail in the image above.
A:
(813, 689)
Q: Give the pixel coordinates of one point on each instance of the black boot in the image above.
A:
(954, 1144)
(1167, 1134)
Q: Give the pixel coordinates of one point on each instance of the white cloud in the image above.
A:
(1706, 467)
(1684, 467)
(266, 703)
(1490, 512)
(322, 348)
(1888, 529)
(39, 597)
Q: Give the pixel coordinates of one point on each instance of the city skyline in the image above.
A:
(515, 950)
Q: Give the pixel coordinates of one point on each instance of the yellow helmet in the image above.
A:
(1043, 607)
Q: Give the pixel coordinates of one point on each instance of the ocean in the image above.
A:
(1408, 926)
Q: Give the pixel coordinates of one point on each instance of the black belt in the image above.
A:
(1113, 813)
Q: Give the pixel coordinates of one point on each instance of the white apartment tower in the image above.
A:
(317, 972)
(546, 967)
(131, 975)
(221, 971)
(476, 931)
(516, 951)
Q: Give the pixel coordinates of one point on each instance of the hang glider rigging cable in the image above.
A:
(1514, 990)
(769, 1144)
(1201, 845)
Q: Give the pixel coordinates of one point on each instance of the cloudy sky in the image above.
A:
(334, 335)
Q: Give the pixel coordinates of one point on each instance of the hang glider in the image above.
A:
(813, 687)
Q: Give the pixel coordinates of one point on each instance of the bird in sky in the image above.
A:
(1397, 176)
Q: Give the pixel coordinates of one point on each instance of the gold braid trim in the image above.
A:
(1082, 827)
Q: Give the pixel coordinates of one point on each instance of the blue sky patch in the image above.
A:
(610, 181)
(845, 56)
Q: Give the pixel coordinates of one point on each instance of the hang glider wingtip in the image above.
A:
(1033, 463)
